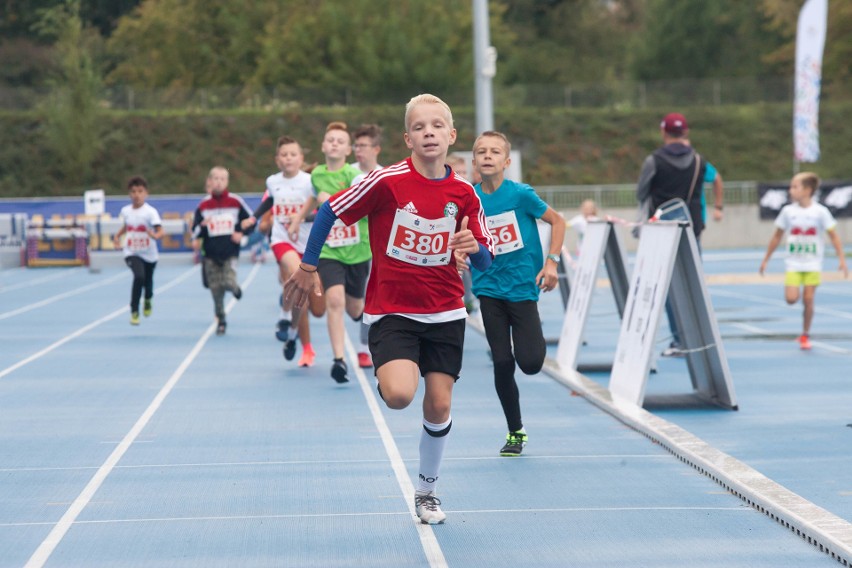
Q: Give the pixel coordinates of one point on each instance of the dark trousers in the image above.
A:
(221, 277)
(507, 324)
(143, 277)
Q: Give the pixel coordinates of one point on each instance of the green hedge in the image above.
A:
(559, 146)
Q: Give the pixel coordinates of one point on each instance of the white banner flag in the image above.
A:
(810, 40)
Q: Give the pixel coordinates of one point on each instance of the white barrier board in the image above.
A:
(600, 243)
(582, 288)
(668, 266)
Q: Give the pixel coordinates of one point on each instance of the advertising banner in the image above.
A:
(837, 196)
(810, 41)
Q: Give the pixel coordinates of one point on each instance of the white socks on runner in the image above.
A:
(433, 440)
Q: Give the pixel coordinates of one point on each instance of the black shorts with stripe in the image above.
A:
(435, 347)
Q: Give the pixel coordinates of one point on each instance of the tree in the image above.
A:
(783, 16)
(687, 39)
(567, 41)
(18, 17)
(193, 43)
(71, 116)
(104, 14)
(380, 49)
(24, 57)
(376, 47)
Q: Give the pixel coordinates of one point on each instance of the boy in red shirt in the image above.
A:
(419, 212)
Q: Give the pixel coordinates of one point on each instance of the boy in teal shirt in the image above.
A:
(508, 291)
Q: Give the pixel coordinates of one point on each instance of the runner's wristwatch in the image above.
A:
(555, 258)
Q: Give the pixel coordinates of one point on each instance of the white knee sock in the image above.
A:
(433, 440)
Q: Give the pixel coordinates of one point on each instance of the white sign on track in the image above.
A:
(646, 300)
(582, 289)
(600, 243)
(668, 267)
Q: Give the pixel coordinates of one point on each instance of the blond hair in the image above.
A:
(426, 98)
(589, 206)
(456, 159)
(809, 180)
(222, 169)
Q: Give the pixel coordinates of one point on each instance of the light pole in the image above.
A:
(484, 67)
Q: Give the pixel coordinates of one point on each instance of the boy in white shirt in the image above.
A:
(287, 193)
(142, 225)
(805, 222)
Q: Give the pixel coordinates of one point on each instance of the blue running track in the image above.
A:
(166, 445)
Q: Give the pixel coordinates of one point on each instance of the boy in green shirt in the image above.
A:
(344, 264)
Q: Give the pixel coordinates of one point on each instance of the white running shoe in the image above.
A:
(427, 507)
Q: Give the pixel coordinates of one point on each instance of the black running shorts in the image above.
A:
(435, 347)
(353, 277)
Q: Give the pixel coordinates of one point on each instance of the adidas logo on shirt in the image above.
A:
(410, 207)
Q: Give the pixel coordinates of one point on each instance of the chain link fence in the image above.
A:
(562, 197)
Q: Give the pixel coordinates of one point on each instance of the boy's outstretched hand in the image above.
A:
(300, 286)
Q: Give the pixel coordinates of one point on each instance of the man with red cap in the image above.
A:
(674, 170)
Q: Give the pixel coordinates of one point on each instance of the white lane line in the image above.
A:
(738, 509)
(62, 296)
(86, 328)
(49, 544)
(759, 330)
(819, 344)
(727, 256)
(279, 463)
(434, 554)
(41, 280)
(782, 303)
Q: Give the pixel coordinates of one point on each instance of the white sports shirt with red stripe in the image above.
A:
(410, 218)
(288, 196)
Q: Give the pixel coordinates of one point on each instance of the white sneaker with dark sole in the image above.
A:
(428, 509)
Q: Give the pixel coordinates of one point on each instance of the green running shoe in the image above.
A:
(515, 442)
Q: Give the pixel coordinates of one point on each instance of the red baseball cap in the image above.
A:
(674, 123)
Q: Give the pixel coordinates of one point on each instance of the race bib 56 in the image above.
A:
(506, 232)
